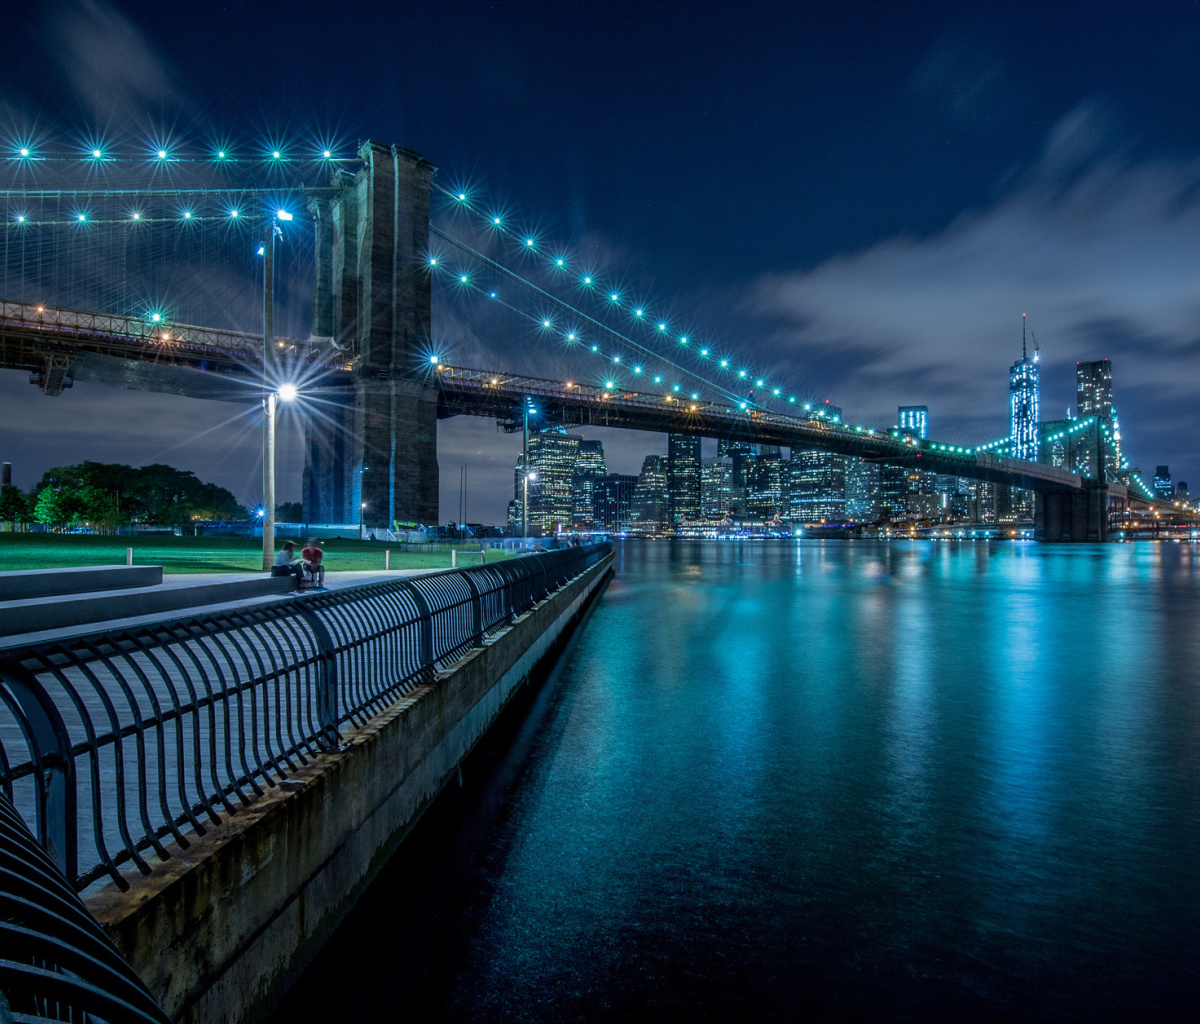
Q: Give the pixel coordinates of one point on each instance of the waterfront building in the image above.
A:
(816, 490)
(764, 486)
(1163, 487)
(862, 490)
(716, 486)
(589, 471)
(914, 420)
(683, 478)
(893, 492)
(552, 456)
(743, 455)
(614, 501)
(1181, 491)
(649, 506)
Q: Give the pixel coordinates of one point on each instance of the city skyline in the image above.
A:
(1062, 188)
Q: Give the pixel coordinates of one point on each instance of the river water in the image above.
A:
(787, 781)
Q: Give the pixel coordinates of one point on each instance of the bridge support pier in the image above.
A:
(377, 446)
(1077, 515)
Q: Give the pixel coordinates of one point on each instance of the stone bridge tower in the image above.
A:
(377, 444)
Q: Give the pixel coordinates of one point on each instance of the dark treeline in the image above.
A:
(107, 496)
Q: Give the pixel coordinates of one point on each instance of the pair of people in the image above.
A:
(311, 559)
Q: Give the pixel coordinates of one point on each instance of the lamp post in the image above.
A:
(287, 392)
(362, 506)
(529, 475)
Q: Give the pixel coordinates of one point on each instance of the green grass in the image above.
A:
(200, 554)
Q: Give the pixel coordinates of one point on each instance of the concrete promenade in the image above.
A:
(219, 929)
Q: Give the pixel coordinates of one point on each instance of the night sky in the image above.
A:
(858, 199)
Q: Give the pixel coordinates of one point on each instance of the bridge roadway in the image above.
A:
(487, 393)
(57, 345)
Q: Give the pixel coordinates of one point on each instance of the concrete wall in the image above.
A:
(217, 931)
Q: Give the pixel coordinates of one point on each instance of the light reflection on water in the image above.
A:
(780, 780)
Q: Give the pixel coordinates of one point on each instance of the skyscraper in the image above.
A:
(764, 485)
(589, 472)
(893, 492)
(862, 490)
(914, 419)
(649, 506)
(816, 487)
(614, 501)
(716, 486)
(1093, 389)
(683, 478)
(552, 456)
(1024, 402)
(1163, 488)
(743, 454)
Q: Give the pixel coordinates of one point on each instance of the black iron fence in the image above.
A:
(116, 743)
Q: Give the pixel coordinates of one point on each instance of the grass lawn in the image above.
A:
(200, 554)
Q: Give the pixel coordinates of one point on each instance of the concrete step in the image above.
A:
(31, 584)
(65, 611)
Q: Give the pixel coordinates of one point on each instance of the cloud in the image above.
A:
(1100, 250)
(107, 62)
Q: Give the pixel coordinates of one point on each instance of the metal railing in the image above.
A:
(161, 336)
(56, 963)
(116, 743)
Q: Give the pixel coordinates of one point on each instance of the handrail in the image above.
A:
(117, 743)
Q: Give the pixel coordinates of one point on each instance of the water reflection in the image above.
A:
(781, 781)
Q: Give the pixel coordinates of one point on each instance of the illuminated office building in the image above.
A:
(1163, 488)
(552, 456)
(683, 478)
(862, 490)
(816, 491)
(914, 420)
(764, 486)
(1093, 389)
(589, 471)
(614, 501)
(716, 486)
(649, 505)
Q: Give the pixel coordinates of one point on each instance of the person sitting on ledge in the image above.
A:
(285, 564)
(312, 555)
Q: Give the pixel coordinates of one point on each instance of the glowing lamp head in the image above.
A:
(275, 154)
(24, 151)
(82, 218)
(162, 154)
(156, 317)
(326, 154)
(221, 155)
(95, 154)
(261, 250)
(187, 214)
(283, 215)
(433, 360)
(529, 243)
(532, 474)
(287, 392)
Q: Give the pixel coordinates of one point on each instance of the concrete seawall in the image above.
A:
(218, 930)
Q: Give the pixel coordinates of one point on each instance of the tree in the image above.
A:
(100, 508)
(150, 494)
(48, 509)
(13, 506)
(290, 512)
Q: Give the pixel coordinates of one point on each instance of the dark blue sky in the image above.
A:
(861, 197)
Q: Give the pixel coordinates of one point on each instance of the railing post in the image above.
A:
(57, 824)
(426, 656)
(327, 681)
(476, 610)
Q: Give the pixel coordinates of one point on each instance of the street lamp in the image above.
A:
(529, 475)
(362, 506)
(284, 392)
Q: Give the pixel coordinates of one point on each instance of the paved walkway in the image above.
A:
(333, 581)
